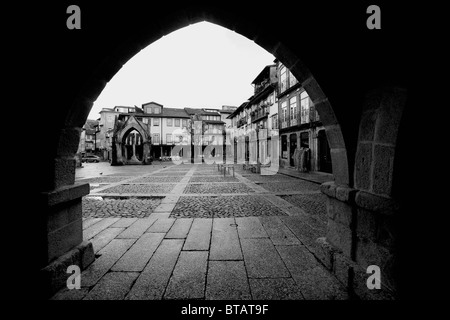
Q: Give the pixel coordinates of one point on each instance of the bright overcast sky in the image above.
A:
(201, 66)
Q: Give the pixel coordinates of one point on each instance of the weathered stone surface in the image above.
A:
(154, 278)
(189, 276)
(367, 124)
(63, 215)
(95, 229)
(64, 239)
(340, 212)
(250, 227)
(366, 224)
(370, 253)
(346, 194)
(54, 276)
(262, 259)
(225, 240)
(104, 237)
(66, 294)
(390, 113)
(340, 166)
(227, 280)
(340, 236)
(138, 255)
(109, 255)
(297, 258)
(324, 252)
(325, 110)
(342, 268)
(124, 223)
(65, 193)
(137, 228)
(113, 286)
(87, 255)
(278, 232)
(319, 284)
(328, 188)
(275, 289)
(161, 225)
(89, 222)
(387, 230)
(180, 229)
(199, 235)
(65, 173)
(334, 136)
(376, 203)
(383, 169)
(363, 164)
(302, 230)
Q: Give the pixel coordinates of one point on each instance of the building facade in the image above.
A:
(280, 111)
(303, 140)
(165, 127)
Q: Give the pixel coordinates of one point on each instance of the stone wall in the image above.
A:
(363, 221)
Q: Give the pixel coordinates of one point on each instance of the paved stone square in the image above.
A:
(99, 207)
(294, 186)
(217, 238)
(140, 188)
(224, 207)
(218, 188)
(158, 179)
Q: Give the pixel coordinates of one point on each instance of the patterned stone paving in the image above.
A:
(271, 178)
(224, 207)
(202, 246)
(105, 179)
(298, 185)
(218, 188)
(211, 178)
(97, 207)
(207, 173)
(169, 174)
(313, 204)
(140, 188)
(156, 179)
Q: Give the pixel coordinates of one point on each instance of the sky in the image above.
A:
(200, 66)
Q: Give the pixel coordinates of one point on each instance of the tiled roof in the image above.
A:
(174, 112)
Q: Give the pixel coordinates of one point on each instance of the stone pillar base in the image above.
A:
(360, 233)
(54, 276)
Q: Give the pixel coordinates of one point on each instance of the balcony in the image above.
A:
(260, 87)
(241, 122)
(259, 114)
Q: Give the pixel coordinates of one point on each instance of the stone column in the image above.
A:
(146, 153)
(58, 220)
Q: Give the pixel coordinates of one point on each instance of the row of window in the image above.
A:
(209, 117)
(287, 79)
(169, 122)
(152, 109)
(306, 109)
(169, 138)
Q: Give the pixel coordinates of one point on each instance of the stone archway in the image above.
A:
(59, 197)
(120, 148)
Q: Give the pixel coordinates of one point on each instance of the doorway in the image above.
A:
(324, 152)
(292, 147)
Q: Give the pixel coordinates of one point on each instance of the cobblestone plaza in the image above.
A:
(189, 232)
